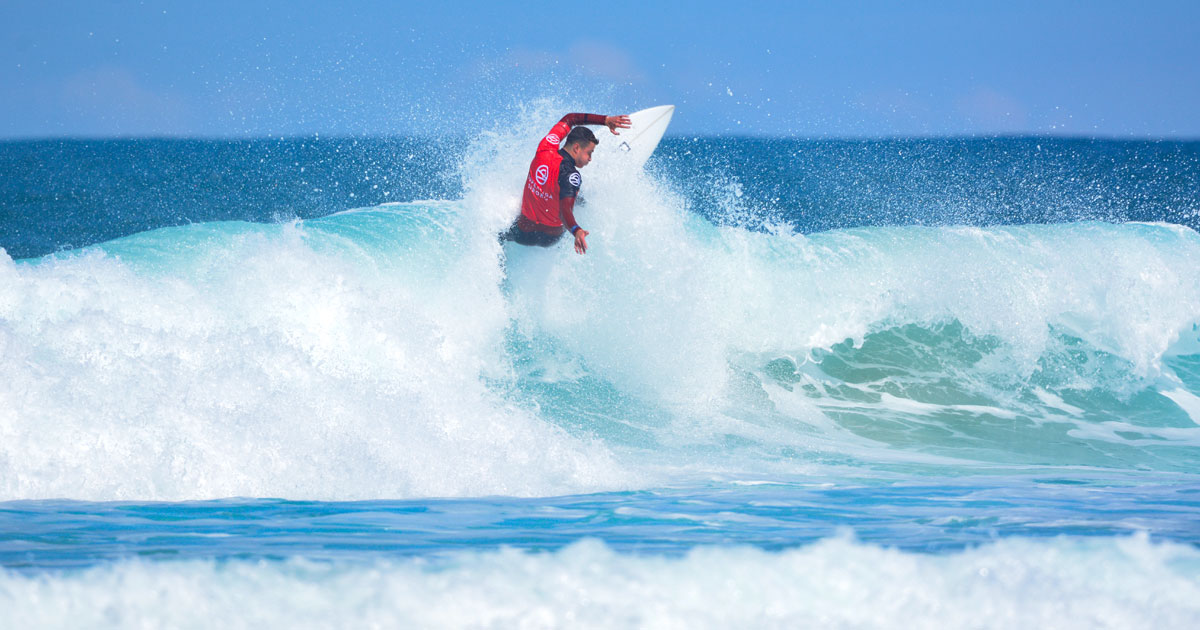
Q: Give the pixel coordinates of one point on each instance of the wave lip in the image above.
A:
(401, 351)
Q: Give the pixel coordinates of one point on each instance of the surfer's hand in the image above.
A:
(616, 122)
(580, 241)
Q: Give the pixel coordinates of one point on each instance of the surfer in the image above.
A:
(553, 181)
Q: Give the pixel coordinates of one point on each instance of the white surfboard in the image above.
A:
(633, 146)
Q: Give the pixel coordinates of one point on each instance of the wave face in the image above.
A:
(400, 351)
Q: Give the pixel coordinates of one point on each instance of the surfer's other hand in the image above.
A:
(616, 122)
(580, 241)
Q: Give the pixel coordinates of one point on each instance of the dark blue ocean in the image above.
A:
(793, 383)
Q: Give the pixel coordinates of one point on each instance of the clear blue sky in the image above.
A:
(812, 69)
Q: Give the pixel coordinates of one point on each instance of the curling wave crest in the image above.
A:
(401, 351)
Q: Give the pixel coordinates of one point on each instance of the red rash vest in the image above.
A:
(553, 181)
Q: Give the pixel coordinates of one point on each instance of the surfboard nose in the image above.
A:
(645, 131)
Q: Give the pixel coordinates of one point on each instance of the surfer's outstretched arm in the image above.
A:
(574, 120)
(612, 122)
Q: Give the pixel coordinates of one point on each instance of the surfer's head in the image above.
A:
(580, 144)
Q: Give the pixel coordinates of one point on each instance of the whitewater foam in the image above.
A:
(262, 367)
(836, 583)
(402, 351)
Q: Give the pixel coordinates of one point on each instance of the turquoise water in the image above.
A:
(792, 383)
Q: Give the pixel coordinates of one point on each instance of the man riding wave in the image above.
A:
(547, 205)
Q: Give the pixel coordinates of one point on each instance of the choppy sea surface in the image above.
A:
(793, 383)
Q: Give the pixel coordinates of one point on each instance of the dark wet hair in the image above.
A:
(580, 135)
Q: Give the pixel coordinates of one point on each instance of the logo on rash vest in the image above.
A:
(553, 138)
(575, 180)
(542, 174)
